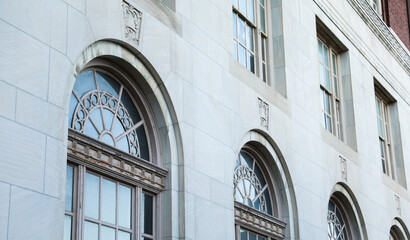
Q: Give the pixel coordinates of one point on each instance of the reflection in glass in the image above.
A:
(67, 227)
(69, 189)
(107, 233)
(124, 206)
(90, 231)
(147, 213)
(92, 195)
(124, 235)
(108, 201)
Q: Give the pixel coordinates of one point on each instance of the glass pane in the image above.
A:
(247, 160)
(84, 83)
(259, 174)
(235, 50)
(329, 123)
(251, 10)
(263, 48)
(380, 125)
(249, 37)
(69, 189)
(261, 238)
(322, 74)
(142, 138)
(124, 206)
(336, 90)
(320, 50)
(242, 6)
(252, 236)
(251, 62)
(130, 106)
(147, 213)
(334, 64)
(90, 231)
(326, 55)
(326, 102)
(268, 202)
(124, 235)
(108, 117)
(264, 71)
(108, 84)
(235, 30)
(108, 201)
(242, 55)
(244, 235)
(241, 31)
(235, 3)
(106, 138)
(73, 105)
(262, 2)
(67, 227)
(327, 75)
(96, 116)
(262, 13)
(90, 130)
(107, 233)
(92, 195)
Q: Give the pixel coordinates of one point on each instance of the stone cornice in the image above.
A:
(382, 31)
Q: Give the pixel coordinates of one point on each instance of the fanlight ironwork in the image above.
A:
(336, 226)
(250, 186)
(101, 108)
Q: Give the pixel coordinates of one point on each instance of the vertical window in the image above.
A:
(383, 124)
(330, 89)
(250, 35)
(254, 202)
(111, 184)
(336, 223)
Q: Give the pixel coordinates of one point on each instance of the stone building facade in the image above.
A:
(203, 119)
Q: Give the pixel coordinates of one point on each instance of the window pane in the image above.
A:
(124, 206)
(235, 3)
(262, 2)
(147, 213)
(242, 55)
(90, 231)
(241, 31)
(252, 236)
(92, 195)
(67, 227)
(251, 62)
(251, 10)
(320, 46)
(334, 64)
(264, 71)
(242, 6)
(249, 37)
(129, 105)
(124, 235)
(69, 189)
(262, 18)
(107, 233)
(106, 83)
(263, 48)
(108, 201)
(96, 116)
(235, 30)
(108, 117)
(244, 235)
(90, 130)
(327, 75)
(235, 50)
(336, 90)
(261, 238)
(322, 75)
(326, 55)
(84, 83)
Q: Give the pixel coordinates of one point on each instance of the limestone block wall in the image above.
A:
(215, 104)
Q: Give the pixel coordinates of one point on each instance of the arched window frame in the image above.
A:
(88, 155)
(252, 221)
(337, 219)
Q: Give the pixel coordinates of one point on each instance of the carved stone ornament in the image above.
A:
(88, 151)
(132, 21)
(398, 205)
(343, 167)
(264, 113)
(382, 31)
(259, 221)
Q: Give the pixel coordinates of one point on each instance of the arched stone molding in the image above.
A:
(131, 63)
(344, 195)
(279, 173)
(399, 227)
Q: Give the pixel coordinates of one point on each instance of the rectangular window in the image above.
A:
(108, 209)
(247, 235)
(330, 88)
(250, 35)
(383, 124)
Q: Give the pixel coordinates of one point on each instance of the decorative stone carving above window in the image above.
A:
(132, 21)
(264, 113)
(343, 167)
(398, 206)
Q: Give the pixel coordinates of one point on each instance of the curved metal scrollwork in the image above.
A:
(336, 227)
(101, 114)
(250, 187)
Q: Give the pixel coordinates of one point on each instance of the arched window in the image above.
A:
(399, 231)
(344, 218)
(336, 222)
(113, 180)
(256, 215)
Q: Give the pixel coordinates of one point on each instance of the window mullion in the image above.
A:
(80, 202)
(138, 213)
